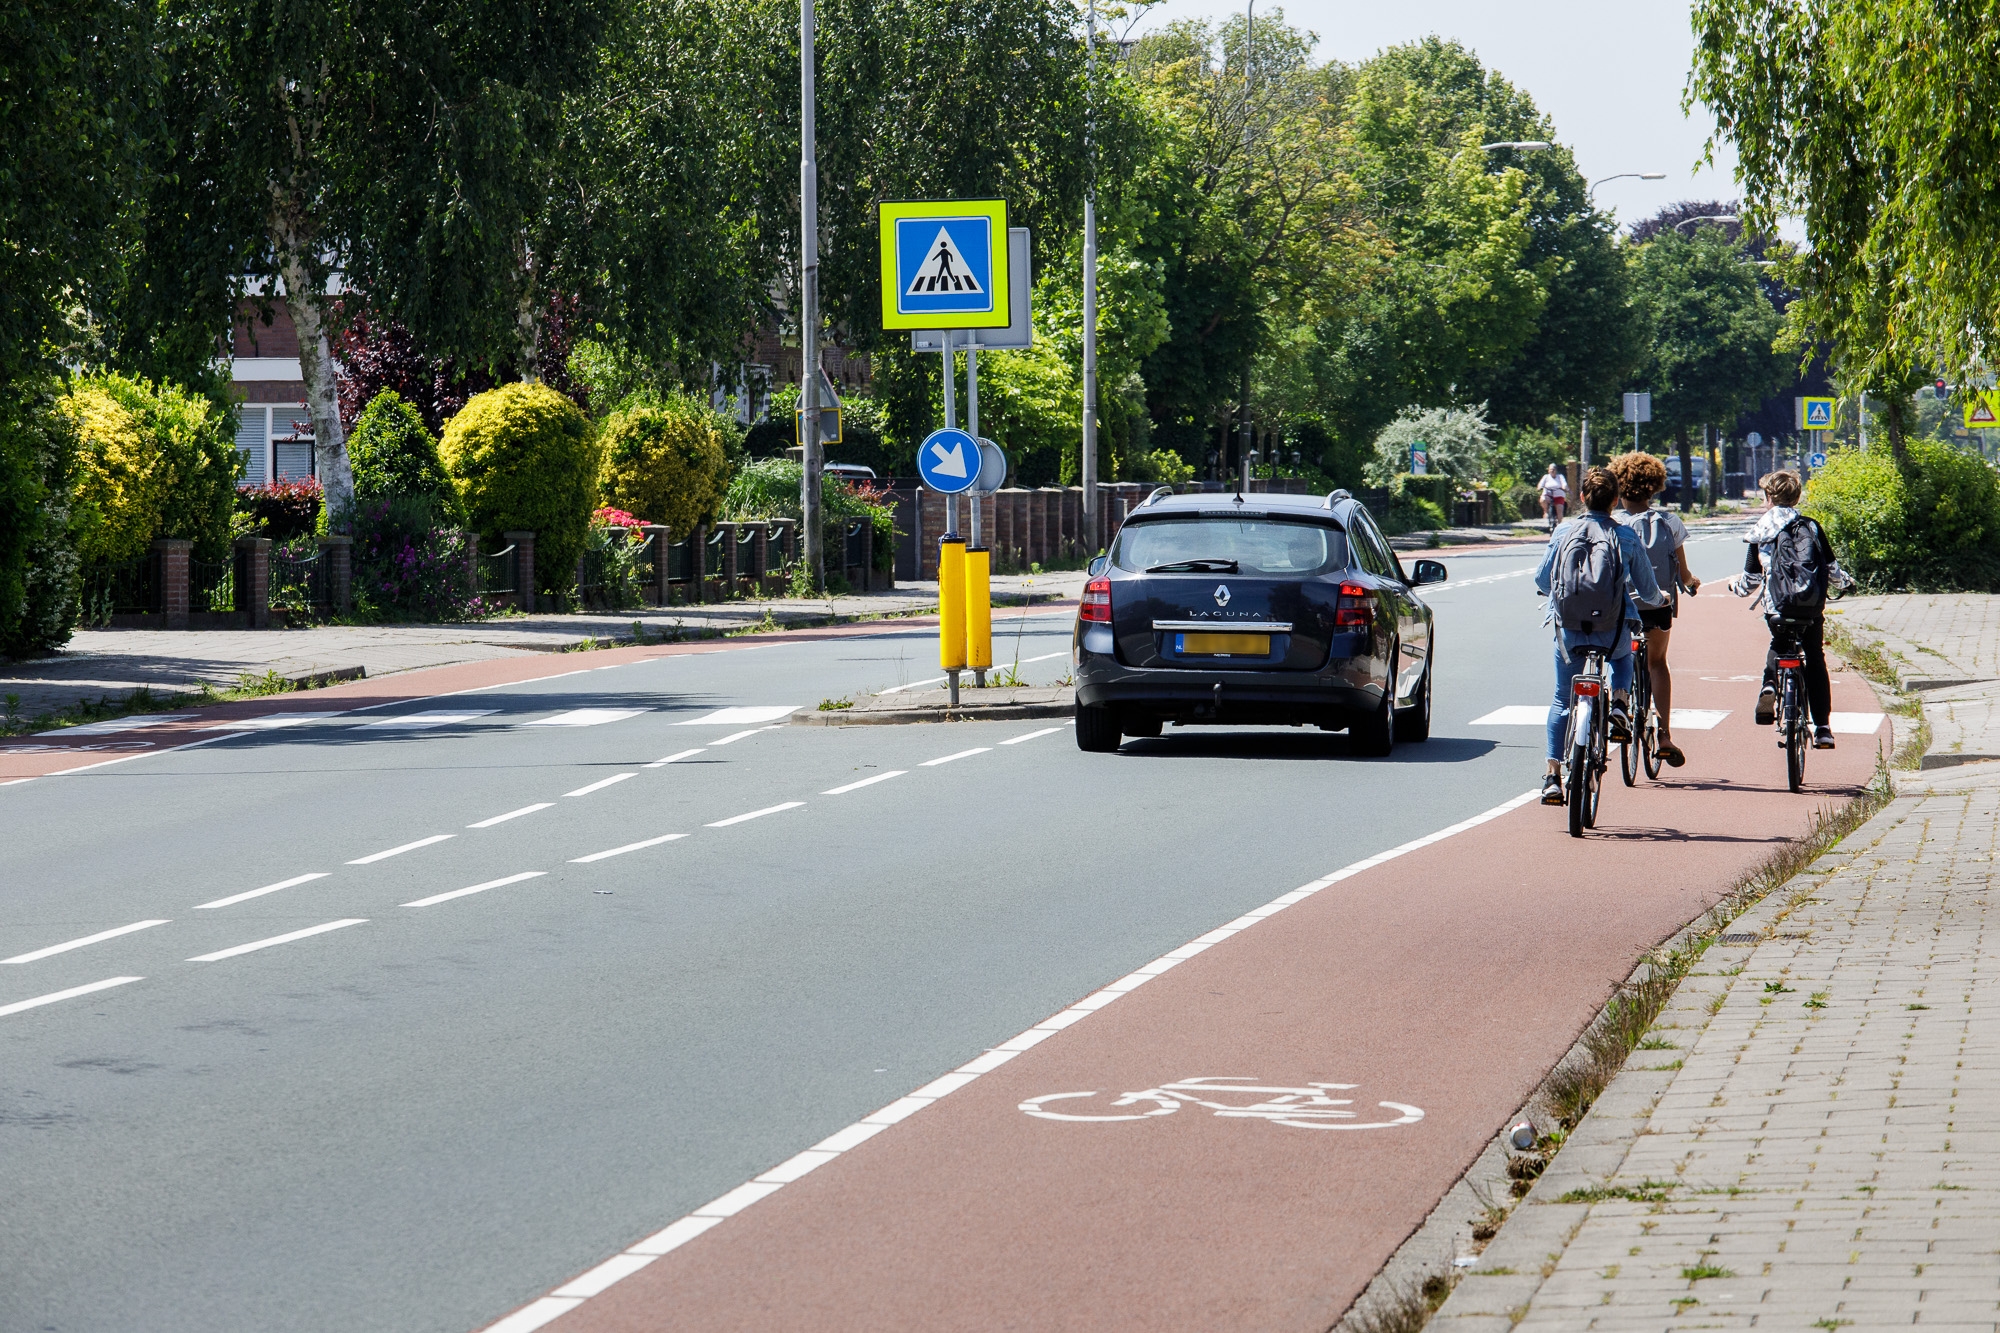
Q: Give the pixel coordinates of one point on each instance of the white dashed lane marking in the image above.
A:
(373, 857)
(1045, 731)
(437, 898)
(865, 782)
(287, 938)
(587, 717)
(512, 814)
(69, 994)
(962, 754)
(601, 784)
(742, 716)
(430, 718)
(756, 814)
(235, 898)
(65, 947)
(676, 758)
(628, 847)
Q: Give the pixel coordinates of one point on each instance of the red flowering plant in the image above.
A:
(615, 560)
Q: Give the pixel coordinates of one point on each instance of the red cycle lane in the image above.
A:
(1450, 978)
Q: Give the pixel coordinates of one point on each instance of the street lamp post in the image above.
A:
(1089, 451)
(1711, 217)
(809, 484)
(1628, 175)
(1519, 145)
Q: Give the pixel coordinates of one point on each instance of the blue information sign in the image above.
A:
(948, 460)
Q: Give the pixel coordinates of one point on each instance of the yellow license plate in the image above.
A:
(1227, 645)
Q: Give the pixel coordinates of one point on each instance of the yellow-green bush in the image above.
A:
(155, 461)
(524, 457)
(665, 460)
(1933, 526)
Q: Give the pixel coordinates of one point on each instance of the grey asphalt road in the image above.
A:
(445, 1102)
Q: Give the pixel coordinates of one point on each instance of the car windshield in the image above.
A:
(1212, 545)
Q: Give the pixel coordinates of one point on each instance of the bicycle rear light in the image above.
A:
(1592, 688)
(1791, 662)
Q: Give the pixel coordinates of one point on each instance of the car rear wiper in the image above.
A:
(1206, 565)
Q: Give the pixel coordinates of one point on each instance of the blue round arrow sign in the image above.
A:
(948, 460)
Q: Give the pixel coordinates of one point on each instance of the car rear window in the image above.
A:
(1257, 545)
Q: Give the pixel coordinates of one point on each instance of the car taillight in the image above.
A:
(1590, 687)
(1097, 601)
(1791, 661)
(1355, 609)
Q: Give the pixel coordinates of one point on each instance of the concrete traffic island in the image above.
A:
(992, 704)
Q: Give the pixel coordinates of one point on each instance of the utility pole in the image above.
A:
(1089, 478)
(1243, 418)
(809, 486)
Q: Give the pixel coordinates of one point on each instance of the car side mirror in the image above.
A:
(1430, 571)
(1099, 565)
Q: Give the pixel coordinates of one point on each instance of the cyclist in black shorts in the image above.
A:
(1640, 478)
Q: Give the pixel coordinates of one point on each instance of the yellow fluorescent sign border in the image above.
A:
(889, 214)
(1805, 410)
(1990, 400)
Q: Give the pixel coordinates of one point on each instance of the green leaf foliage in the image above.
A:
(524, 459)
(1932, 525)
(665, 460)
(392, 454)
(155, 461)
(1712, 353)
(38, 562)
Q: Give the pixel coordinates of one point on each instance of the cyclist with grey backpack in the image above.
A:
(1593, 573)
(1791, 562)
(1640, 478)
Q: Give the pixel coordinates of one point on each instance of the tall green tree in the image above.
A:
(1712, 354)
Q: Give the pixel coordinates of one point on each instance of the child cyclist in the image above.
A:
(1791, 563)
(1640, 478)
(1593, 572)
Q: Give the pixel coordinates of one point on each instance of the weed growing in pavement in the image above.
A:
(1705, 1270)
(768, 625)
(1869, 660)
(1006, 678)
(13, 708)
(1405, 1308)
(835, 705)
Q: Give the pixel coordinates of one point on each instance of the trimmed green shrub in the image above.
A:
(771, 488)
(1438, 490)
(38, 562)
(1932, 527)
(282, 511)
(393, 453)
(666, 459)
(524, 458)
(156, 461)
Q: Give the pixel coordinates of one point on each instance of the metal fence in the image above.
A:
(497, 574)
(126, 588)
(609, 575)
(298, 582)
(211, 585)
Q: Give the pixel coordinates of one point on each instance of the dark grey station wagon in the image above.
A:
(1254, 610)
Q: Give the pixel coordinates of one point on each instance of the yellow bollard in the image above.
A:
(951, 604)
(978, 608)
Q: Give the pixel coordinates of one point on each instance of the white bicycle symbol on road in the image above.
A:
(1308, 1107)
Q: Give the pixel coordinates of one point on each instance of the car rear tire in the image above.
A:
(1414, 723)
(1096, 729)
(1374, 736)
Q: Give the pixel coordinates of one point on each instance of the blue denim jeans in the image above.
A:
(1621, 682)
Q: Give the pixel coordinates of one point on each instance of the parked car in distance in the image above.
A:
(851, 471)
(1258, 610)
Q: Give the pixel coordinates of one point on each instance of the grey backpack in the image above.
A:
(1657, 536)
(1587, 583)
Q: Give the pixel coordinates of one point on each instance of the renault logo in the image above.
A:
(1222, 594)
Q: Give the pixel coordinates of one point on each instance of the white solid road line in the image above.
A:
(866, 782)
(398, 851)
(675, 758)
(54, 949)
(287, 938)
(601, 784)
(477, 888)
(575, 1292)
(915, 684)
(69, 994)
(234, 898)
(274, 721)
(1045, 731)
(756, 814)
(1046, 657)
(962, 754)
(628, 847)
(512, 814)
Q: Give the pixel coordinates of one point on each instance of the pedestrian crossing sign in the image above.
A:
(1982, 410)
(944, 264)
(1815, 413)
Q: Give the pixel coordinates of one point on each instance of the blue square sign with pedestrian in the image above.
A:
(944, 265)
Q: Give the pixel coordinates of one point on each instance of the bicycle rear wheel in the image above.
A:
(1649, 744)
(1795, 736)
(1630, 756)
(1577, 780)
(1600, 760)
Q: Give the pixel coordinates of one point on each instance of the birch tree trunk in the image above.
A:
(330, 464)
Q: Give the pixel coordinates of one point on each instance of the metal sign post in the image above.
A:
(810, 497)
(1638, 408)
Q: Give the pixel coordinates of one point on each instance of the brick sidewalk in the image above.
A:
(1810, 1139)
(113, 663)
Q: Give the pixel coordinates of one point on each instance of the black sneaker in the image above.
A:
(1822, 738)
(1552, 789)
(1767, 707)
(1621, 724)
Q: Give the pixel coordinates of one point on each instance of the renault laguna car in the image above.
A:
(1253, 610)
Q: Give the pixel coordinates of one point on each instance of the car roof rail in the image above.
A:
(1158, 491)
(1333, 498)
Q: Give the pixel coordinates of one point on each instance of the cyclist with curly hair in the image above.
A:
(1640, 478)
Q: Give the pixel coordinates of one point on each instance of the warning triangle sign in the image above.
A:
(1982, 414)
(944, 270)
